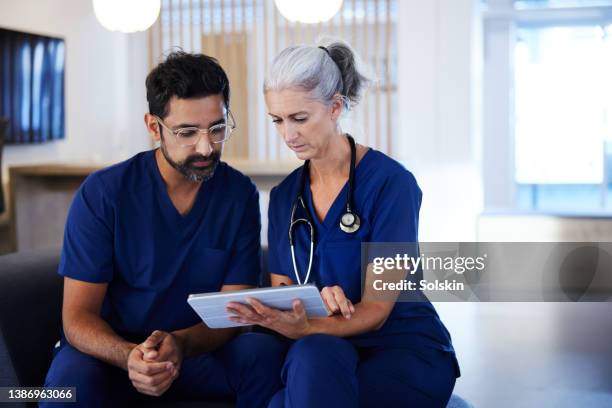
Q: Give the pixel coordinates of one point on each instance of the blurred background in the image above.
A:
(502, 109)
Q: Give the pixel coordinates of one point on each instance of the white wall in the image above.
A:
(104, 80)
(439, 65)
(439, 88)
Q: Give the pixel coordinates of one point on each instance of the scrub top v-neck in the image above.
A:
(339, 203)
(387, 198)
(124, 230)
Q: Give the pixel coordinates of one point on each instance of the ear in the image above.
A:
(337, 107)
(152, 126)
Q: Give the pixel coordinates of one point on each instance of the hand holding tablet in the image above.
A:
(211, 307)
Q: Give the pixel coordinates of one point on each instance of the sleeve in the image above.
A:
(273, 237)
(87, 252)
(245, 260)
(396, 218)
(396, 214)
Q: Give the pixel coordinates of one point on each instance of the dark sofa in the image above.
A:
(30, 321)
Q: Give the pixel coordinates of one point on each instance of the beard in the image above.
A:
(188, 168)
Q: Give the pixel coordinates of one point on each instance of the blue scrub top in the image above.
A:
(387, 198)
(123, 229)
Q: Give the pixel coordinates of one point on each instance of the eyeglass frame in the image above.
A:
(230, 123)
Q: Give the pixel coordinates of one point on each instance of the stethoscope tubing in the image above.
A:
(308, 220)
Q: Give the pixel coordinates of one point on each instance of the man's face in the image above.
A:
(197, 162)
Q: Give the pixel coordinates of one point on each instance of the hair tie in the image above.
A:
(326, 50)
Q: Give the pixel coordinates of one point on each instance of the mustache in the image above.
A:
(212, 158)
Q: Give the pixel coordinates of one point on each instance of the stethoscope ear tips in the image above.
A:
(350, 222)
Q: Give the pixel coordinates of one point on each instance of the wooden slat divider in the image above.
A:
(233, 32)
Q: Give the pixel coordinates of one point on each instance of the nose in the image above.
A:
(204, 147)
(290, 132)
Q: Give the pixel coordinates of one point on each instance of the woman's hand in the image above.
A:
(337, 302)
(293, 324)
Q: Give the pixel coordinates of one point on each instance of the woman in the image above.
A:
(370, 352)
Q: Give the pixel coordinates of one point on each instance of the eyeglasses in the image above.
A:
(190, 136)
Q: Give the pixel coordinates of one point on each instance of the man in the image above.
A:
(144, 234)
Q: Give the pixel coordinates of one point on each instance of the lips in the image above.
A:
(298, 148)
(201, 163)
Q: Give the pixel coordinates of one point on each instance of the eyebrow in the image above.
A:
(291, 115)
(195, 125)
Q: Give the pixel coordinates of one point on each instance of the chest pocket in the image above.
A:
(206, 270)
(340, 264)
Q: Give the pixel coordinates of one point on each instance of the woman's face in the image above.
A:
(305, 124)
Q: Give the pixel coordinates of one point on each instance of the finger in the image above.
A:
(143, 389)
(235, 316)
(242, 310)
(163, 387)
(156, 390)
(330, 301)
(151, 355)
(150, 380)
(241, 307)
(137, 353)
(167, 355)
(233, 312)
(325, 297)
(149, 368)
(298, 308)
(260, 308)
(168, 351)
(344, 304)
(154, 339)
(243, 320)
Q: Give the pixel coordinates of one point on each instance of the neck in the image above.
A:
(333, 162)
(173, 179)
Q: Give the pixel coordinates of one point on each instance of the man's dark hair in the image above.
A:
(185, 75)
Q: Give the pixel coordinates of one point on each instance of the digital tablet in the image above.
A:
(211, 306)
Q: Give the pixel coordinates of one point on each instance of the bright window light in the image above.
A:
(563, 104)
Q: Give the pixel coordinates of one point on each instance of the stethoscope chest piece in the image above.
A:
(350, 222)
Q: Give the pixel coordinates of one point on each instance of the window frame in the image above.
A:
(501, 19)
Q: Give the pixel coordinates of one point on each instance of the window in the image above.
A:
(563, 117)
(548, 76)
(550, 4)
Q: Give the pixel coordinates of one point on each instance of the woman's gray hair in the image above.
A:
(325, 71)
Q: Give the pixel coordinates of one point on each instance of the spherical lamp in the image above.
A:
(309, 12)
(126, 16)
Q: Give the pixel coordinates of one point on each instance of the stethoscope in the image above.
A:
(349, 222)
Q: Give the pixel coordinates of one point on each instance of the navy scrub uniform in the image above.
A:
(122, 229)
(410, 361)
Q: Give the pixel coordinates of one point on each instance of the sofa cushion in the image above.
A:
(30, 313)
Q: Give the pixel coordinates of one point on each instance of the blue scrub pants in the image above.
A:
(246, 369)
(328, 371)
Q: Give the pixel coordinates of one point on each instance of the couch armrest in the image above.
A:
(30, 314)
